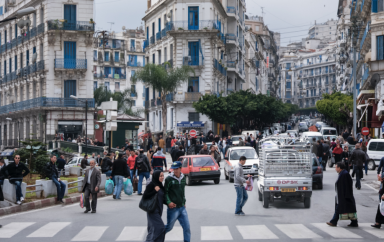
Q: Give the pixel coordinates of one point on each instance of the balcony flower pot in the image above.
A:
(91, 21)
(181, 29)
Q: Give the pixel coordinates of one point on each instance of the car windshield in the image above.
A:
(329, 132)
(203, 161)
(302, 125)
(248, 153)
(310, 138)
(235, 138)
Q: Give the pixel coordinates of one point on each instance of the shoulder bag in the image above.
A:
(148, 205)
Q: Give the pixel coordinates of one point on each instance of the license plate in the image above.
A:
(205, 169)
(288, 189)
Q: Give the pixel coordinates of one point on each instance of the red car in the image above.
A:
(199, 168)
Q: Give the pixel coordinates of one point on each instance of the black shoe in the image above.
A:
(140, 194)
(86, 211)
(353, 225)
(374, 226)
(61, 201)
(331, 224)
(114, 196)
(94, 211)
(1, 226)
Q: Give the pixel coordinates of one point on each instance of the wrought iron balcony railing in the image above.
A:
(74, 26)
(62, 63)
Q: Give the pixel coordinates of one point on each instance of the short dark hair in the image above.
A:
(243, 158)
(158, 148)
(2, 161)
(341, 165)
(53, 156)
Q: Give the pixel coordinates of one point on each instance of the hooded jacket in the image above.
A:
(158, 160)
(175, 190)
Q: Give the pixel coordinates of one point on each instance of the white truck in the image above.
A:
(285, 173)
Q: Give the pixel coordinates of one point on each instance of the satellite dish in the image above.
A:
(34, 58)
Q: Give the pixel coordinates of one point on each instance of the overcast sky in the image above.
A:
(291, 18)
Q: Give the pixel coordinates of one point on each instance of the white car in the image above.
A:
(329, 132)
(75, 161)
(308, 136)
(375, 151)
(232, 157)
(236, 138)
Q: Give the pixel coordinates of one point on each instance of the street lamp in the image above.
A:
(20, 13)
(18, 127)
(86, 120)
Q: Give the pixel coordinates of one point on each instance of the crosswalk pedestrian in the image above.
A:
(313, 231)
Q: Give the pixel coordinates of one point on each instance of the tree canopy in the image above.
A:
(336, 106)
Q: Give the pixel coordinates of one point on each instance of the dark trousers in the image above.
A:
(60, 186)
(335, 218)
(87, 193)
(359, 175)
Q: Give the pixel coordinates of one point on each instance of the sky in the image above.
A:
(292, 18)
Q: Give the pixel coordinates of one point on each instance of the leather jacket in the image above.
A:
(358, 157)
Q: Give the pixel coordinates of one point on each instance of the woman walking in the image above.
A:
(337, 153)
(379, 216)
(156, 227)
(364, 148)
(215, 154)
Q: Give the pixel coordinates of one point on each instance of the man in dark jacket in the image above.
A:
(143, 168)
(53, 174)
(98, 160)
(204, 150)
(314, 146)
(120, 170)
(345, 135)
(174, 150)
(320, 152)
(158, 160)
(197, 147)
(84, 162)
(91, 185)
(344, 200)
(168, 144)
(326, 149)
(61, 163)
(16, 171)
(358, 159)
(106, 165)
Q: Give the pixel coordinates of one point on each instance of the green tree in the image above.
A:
(337, 106)
(33, 151)
(164, 80)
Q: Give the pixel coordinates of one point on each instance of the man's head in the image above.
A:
(357, 146)
(176, 166)
(205, 147)
(225, 138)
(158, 149)
(133, 153)
(314, 139)
(93, 154)
(339, 167)
(229, 137)
(346, 148)
(105, 153)
(95, 140)
(98, 156)
(243, 159)
(213, 148)
(86, 156)
(141, 151)
(17, 159)
(318, 141)
(161, 136)
(53, 159)
(92, 163)
(2, 162)
(62, 157)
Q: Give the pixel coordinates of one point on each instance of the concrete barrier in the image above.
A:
(103, 180)
(80, 183)
(75, 170)
(9, 190)
(49, 188)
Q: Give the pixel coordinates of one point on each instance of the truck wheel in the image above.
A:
(226, 176)
(231, 180)
(330, 164)
(260, 196)
(371, 165)
(188, 181)
(216, 181)
(265, 201)
(307, 202)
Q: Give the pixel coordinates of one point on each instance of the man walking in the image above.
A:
(143, 168)
(16, 171)
(175, 199)
(239, 180)
(320, 151)
(358, 159)
(61, 164)
(159, 160)
(120, 170)
(98, 160)
(325, 154)
(91, 185)
(161, 143)
(344, 200)
(84, 162)
(54, 175)
(168, 144)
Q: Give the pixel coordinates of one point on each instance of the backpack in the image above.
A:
(140, 163)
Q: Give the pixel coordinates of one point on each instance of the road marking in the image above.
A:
(255, 232)
(297, 231)
(90, 233)
(175, 234)
(49, 230)
(11, 229)
(379, 233)
(215, 233)
(132, 234)
(376, 190)
(336, 232)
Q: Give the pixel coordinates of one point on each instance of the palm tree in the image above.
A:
(164, 80)
(124, 101)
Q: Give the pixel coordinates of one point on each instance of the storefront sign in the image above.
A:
(187, 124)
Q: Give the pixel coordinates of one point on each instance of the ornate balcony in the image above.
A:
(72, 26)
(77, 64)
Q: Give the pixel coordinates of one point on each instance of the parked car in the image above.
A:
(308, 136)
(375, 151)
(303, 127)
(199, 168)
(76, 161)
(317, 174)
(232, 158)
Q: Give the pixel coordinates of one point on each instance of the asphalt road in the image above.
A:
(211, 213)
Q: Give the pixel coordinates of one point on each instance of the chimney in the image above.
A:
(149, 4)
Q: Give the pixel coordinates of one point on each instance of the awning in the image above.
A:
(8, 152)
(187, 124)
(366, 93)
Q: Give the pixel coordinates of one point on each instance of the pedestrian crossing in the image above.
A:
(315, 231)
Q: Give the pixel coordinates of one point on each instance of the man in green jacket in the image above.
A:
(175, 198)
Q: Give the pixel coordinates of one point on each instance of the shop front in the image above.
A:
(185, 126)
(127, 130)
(70, 129)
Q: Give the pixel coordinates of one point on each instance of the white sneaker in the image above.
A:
(18, 203)
(21, 199)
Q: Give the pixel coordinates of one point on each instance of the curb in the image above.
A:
(42, 203)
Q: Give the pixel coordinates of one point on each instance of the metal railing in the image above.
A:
(158, 36)
(232, 37)
(23, 72)
(219, 67)
(74, 26)
(134, 64)
(193, 60)
(36, 190)
(62, 63)
(192, 96)
(197, 25)
(231, 64)
(152, 40)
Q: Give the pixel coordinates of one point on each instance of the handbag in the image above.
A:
(149, 204)
(347, 216)
(382, 207)
(82, 200)
(135, 183)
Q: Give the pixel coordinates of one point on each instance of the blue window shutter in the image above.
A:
(143, 60)
(159, 94)
(5, 36)
(153, 58)
(116, 56)
(34, 50)
(10, 65)
(15, 62)
(5, 68)
(374, 6)
(69, 88)
(135, 60)
(159, 24)
(380, 48)
(1, 10)
(15, 30)
(147, 33)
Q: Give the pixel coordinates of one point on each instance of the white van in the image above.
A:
(253, 132)
(375, 151)
(308, 136)
(328, 132)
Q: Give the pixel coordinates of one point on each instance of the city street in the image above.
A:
(211, 213)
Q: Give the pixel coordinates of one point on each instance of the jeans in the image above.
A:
(118, 186)
(359, 175)
(180, 214)
(141, 176)
(18, 190)
(1, 182)
(320, 159)
(133, 174)
(60, 186)
(157, 168)
(242, 197)
(335, 218)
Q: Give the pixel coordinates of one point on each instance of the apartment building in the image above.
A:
(44, 61)
(326, 30)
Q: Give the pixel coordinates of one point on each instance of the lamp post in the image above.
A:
(20, 13)
(86, 121)
(18, 128)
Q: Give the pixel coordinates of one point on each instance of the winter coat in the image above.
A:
(344, 193)
(358, 157)
(106, 164)
(16, 172)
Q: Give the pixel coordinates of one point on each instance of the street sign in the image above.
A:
(365, 131)
(192, 133)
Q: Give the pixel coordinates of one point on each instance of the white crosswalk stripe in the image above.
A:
(215, 233)
(49, 230)
(11, 229)
(337, 232)
(297, 231)
(256, 232)
(90, 233)
(379, 233)
(132, 234)
(176, 234)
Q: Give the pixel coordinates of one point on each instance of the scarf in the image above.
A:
(155, 179)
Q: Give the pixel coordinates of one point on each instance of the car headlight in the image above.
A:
(255, 166)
